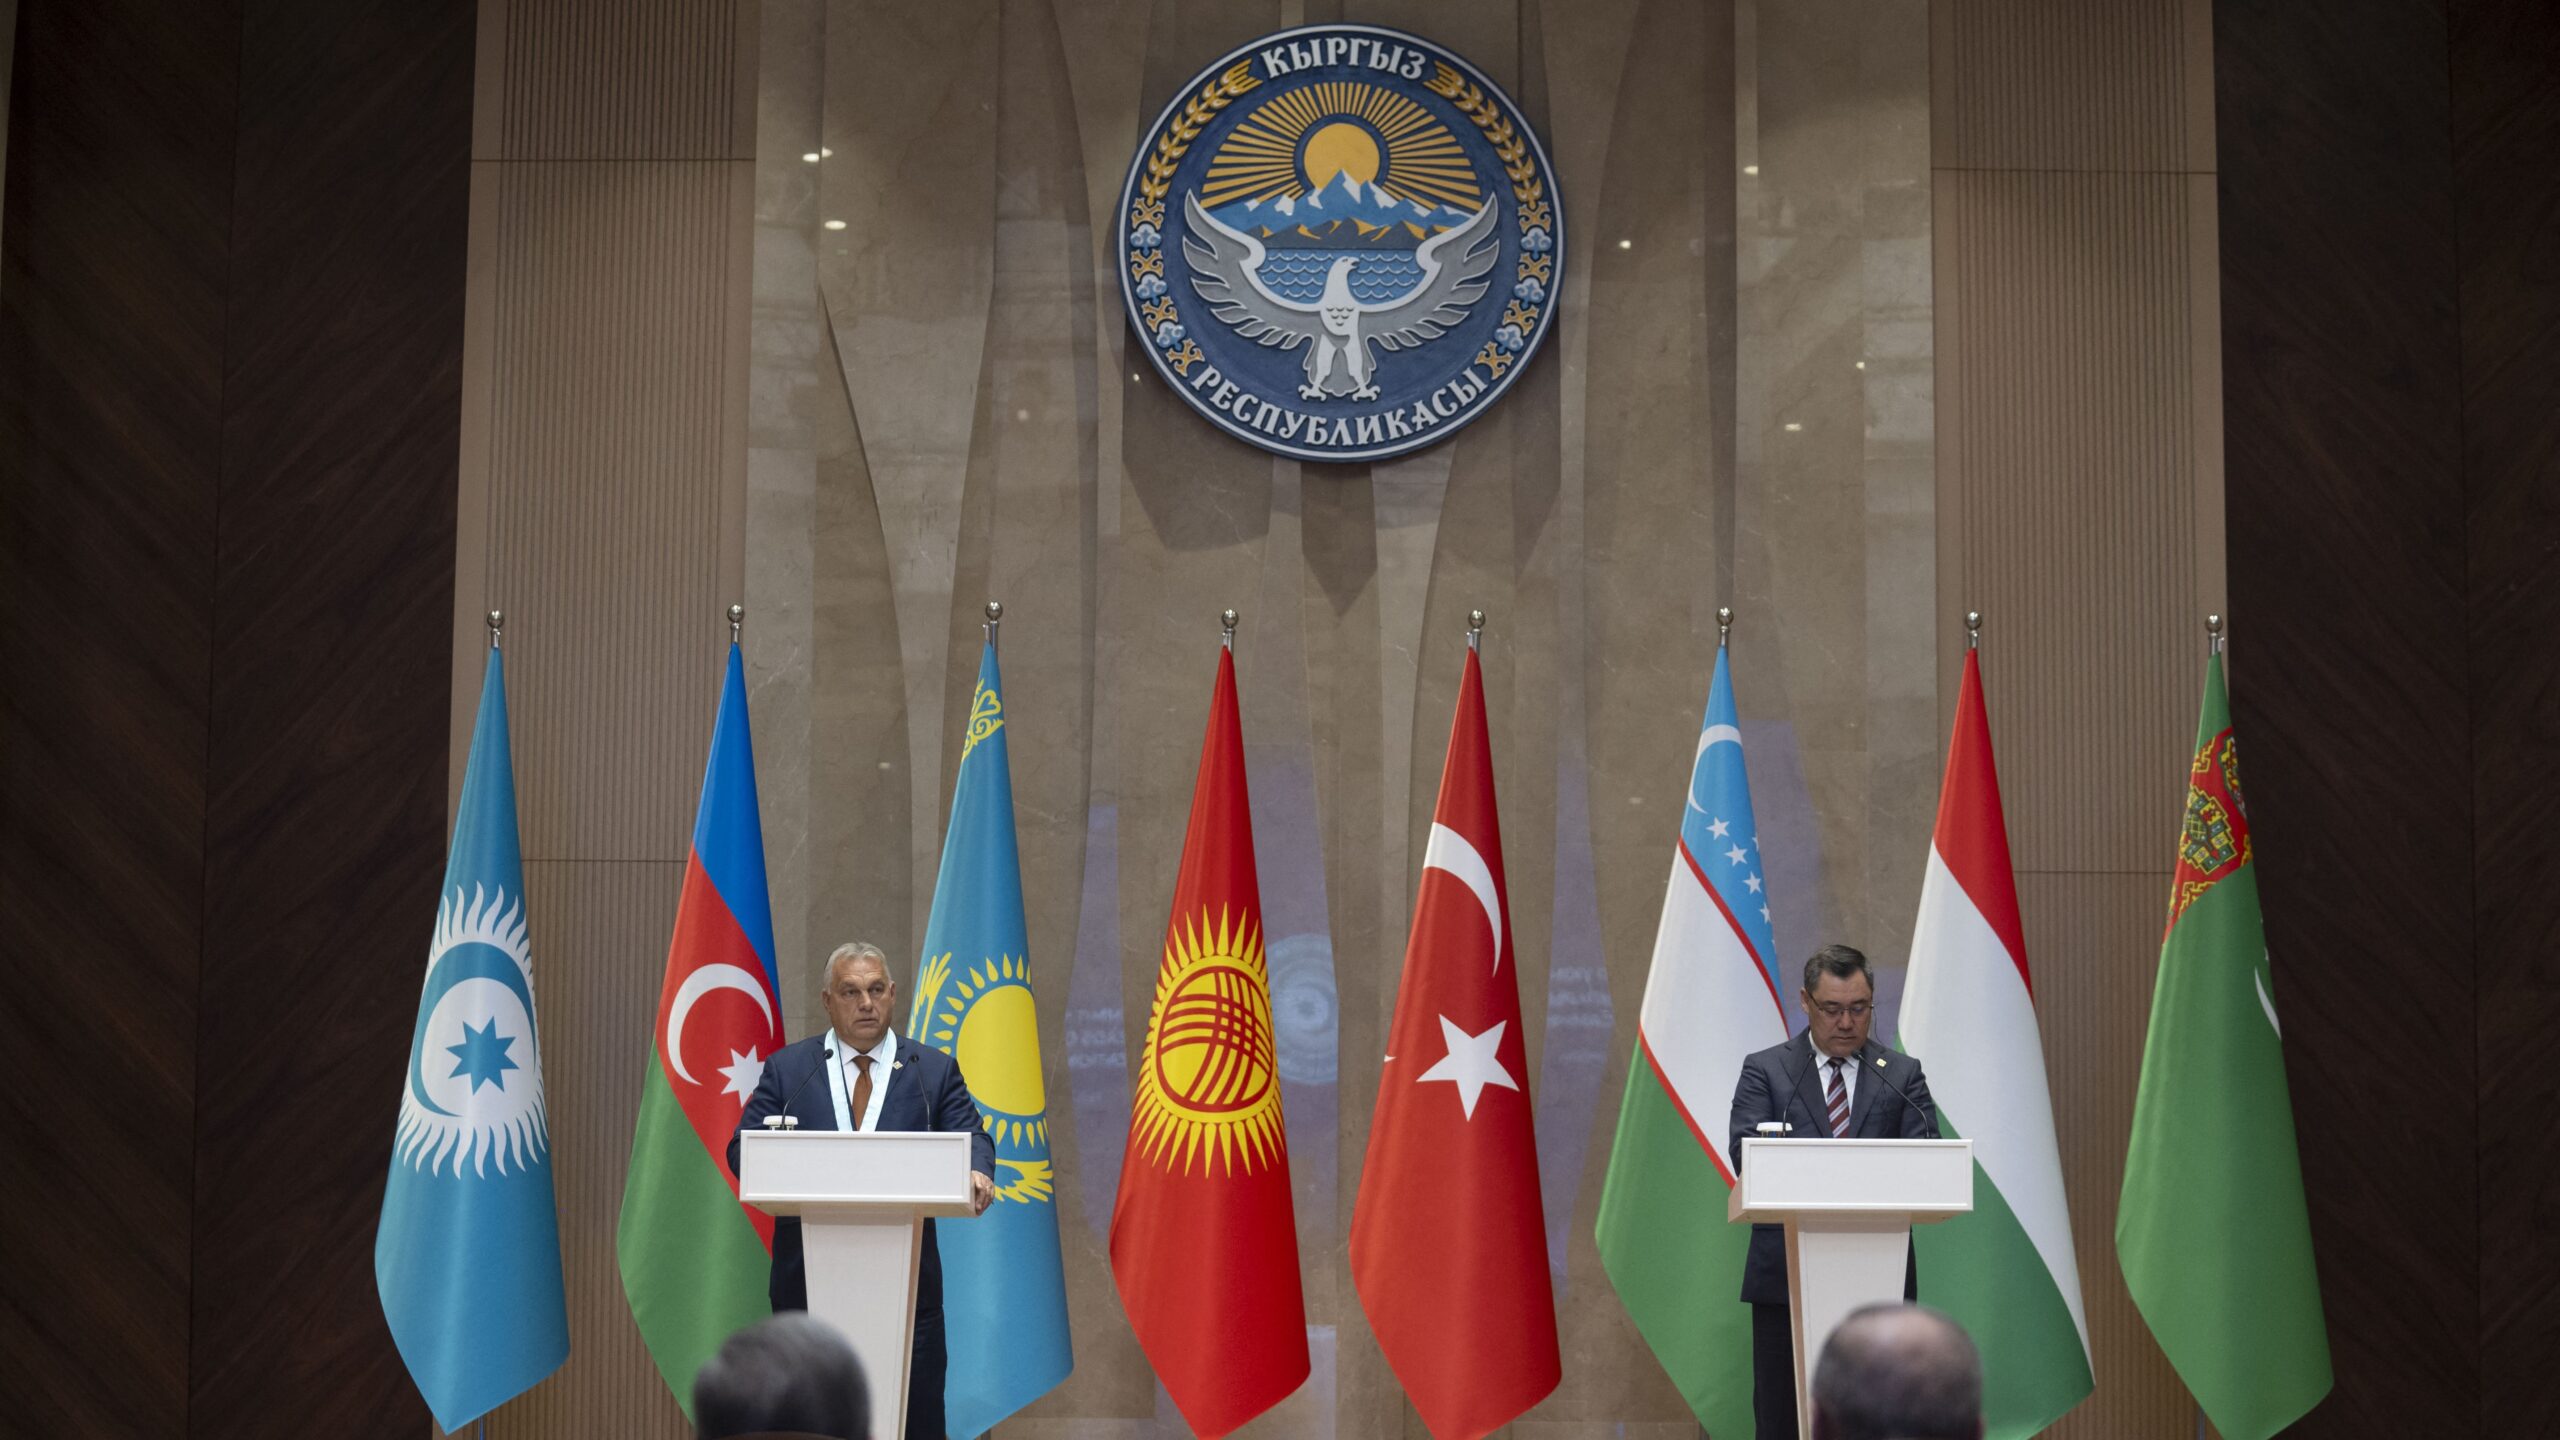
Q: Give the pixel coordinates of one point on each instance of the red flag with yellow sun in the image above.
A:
(1204, 1242)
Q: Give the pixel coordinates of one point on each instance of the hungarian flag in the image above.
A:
(2007, 1269)
(2212, 1229)
(1204, 1242)
(1710, 999)
(1448, 1239)
(694, 1260)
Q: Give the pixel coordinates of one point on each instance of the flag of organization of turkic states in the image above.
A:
(1448, 1240)
(1968, 1009)
(1711, 998)
(694, 1260)
(468, 1255)
(1004, 1289)
(2212, 1229)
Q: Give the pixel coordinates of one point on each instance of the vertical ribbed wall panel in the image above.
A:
(2095, 943)
(618, 80)
(608, 449)
(600, 942)
(2077, 462)
(2095, 86)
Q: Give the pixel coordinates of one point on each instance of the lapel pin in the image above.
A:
(1879, 1062)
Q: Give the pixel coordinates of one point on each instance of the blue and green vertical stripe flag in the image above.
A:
(467, 1258)
(1004, 1292)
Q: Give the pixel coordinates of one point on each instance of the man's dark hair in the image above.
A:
(1898, 1372)
(794, 1372)
(1837, 960)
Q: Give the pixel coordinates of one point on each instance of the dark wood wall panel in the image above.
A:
(2506, 152)
(331, 661)
(2342, 442)
(111, 323)
(231, 292)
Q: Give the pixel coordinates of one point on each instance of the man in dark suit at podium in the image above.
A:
(1831, 1081)
(862, 1075)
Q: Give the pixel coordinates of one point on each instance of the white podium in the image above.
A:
(1848, 1206)
(862, 1198)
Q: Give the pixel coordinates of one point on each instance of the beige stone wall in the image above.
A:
(1841, 346)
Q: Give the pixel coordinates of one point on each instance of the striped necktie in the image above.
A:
(1836, 1096)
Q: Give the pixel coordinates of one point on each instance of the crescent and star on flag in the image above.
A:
(1471, 1062)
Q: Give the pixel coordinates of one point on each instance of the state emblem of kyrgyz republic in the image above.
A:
(1340, 243)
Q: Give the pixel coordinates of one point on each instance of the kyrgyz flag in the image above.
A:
(1004, 1288)
(2212, 1230)
(1710, 999)
(694, 1260)
(1204, 1242)
(1448, 1239)
(1968, 1010)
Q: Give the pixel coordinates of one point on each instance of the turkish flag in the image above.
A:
(1204, 1240)
(1448, 1239)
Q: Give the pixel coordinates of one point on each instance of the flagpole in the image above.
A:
(497, 622)
(2214, 636)
(1973, 630)
(1724, 625)
(1227, 622)
(737, 621)
(995, 617)
(1475, 628)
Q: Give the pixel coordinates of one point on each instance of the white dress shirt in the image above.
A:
(884, 1064)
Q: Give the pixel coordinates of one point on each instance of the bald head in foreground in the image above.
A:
(1898, 1372)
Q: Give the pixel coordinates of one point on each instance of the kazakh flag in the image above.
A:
(468, 1254)
(1004, 1290)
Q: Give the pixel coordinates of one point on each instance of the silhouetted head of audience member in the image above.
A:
(1898, 1372)
(794, 1374)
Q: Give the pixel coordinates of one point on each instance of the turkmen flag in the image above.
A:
(1968, 1009)
(695, 1260)
(1004, 1289)
(468, 1254)
(1710, 1000)
(2212, 1230)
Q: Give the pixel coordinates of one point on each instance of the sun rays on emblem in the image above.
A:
(474, 1086)
(984, 1017)
(1208, 1085)
(1297, 141)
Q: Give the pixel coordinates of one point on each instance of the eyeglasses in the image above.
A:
(1833, 1011)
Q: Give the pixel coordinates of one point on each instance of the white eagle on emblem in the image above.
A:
(1225, 263)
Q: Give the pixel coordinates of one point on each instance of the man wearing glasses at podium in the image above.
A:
(862, 1075)
(1831, 1081)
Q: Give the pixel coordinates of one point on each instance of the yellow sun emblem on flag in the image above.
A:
(1209, 1082)
(984, 1018)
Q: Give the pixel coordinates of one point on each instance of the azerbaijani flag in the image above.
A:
(1968, 1011)
(467, 1258)
(1204, 1240)
(694, 1260)
(1711, 999)
(2212, 1229)
(1004, 1287)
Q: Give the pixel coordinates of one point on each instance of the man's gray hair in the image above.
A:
(1898, 1372)
(849, 951)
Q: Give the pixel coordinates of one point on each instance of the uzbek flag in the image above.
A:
(1204, 1240)
(2212, 1228)
(694, 1260)
(2007, 1269)
(1711, 998)
(1004, 1288)
(468, 1254)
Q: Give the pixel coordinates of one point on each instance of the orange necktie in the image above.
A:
(861, 1089)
